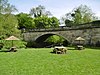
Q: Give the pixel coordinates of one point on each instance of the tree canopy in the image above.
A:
(46, 22)
(25, 21)
(55, 39)
(39, 11)
(79, 15)
(6, 7)
(8, 22)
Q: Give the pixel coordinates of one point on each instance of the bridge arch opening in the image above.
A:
(42, 40)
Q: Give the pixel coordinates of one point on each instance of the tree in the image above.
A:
(54, 22)
(41, 18)
(41, 22)
(25, 21)
(6, 8)
(54, 39)
(8, 22)
(8, 26)
(69, 23)
(81, 14)
(46, 22)
(39, 11)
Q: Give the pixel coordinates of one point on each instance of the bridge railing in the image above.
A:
(44, 29)
(62, 28)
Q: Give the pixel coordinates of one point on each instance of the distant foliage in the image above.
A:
(80, 15)
(55, 39)
(25, 21)
(39, 11)
(6, 8)
(96, 23)
(46, 22)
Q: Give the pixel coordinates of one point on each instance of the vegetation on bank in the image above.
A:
(7, 44)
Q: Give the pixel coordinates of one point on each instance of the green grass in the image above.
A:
(42, 62)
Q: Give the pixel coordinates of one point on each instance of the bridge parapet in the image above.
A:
(62, 28)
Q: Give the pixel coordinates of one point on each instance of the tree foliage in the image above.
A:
(40, 19)
(39, 11)
(25, 21)
(54, 22)
(69, 23)
(8, 26)
(46, 22)
(81, 14)
(54, 39)
(8, 22)
(6, 8)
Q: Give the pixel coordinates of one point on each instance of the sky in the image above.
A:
(57, 7)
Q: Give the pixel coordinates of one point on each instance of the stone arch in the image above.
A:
(39, 39)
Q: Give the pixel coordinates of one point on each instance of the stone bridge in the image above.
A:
(90, 34)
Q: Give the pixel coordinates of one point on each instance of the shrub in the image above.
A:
(1, 45)
(16, 43)
(98, 44)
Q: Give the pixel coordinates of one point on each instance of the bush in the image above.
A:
(98, 44)
(1, 45)
(16, 43)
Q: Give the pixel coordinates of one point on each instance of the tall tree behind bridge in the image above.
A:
(46, 22)
(79, 15)
(42, 19)
(25, 21)
(39, 11)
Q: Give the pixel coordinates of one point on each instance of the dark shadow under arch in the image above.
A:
(40, 40)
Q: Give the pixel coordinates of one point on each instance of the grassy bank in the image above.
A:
(42, 62)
